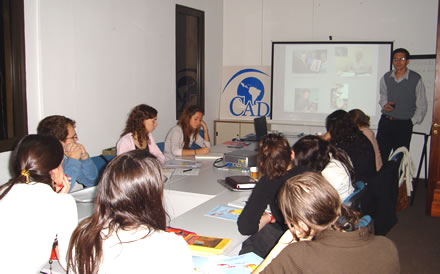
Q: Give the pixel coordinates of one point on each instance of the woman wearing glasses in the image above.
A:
(77, 163)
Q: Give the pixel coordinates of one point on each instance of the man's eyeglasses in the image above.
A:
(400, 59)
(74, 137)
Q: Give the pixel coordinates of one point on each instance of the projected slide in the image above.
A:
(311, 80)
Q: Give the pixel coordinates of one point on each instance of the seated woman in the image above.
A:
(138, 132)
(333, 163)
(77, 163)
(343, 133)
(363, 123)
(313, 210)
(34, 206)
(187, 132)
(275, 166)
(126, 233)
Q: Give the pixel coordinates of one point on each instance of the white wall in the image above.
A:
(94, 60)
(250, 26)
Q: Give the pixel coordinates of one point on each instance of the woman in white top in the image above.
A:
(126, 233)
(363, 123)
(333, 163)
(187, 132)
(141, 122)
(35, 208)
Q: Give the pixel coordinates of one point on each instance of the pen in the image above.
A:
(187, 170)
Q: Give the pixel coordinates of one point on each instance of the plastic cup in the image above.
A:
(254, 172)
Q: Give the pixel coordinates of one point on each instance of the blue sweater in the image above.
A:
(81, 171)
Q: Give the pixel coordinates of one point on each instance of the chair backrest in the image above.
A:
(161, 145)
(101, 162)
(353, 201)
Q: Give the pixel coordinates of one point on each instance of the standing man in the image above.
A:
(403, 102)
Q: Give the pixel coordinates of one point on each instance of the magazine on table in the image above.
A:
(225, 212)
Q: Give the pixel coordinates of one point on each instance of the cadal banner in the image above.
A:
(245, 93)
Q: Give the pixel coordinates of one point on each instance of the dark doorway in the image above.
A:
(190, 58)
(13, 118)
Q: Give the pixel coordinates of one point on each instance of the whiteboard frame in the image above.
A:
(424, 64)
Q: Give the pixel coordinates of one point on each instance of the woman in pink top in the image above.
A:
(363, 122)
(137, 134)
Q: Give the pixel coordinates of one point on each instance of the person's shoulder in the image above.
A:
(415, 73)
(384, 242)
(170, 239)
(175, 129)
(58, 200)
(296, 170)
(387, 74)
(126, 136)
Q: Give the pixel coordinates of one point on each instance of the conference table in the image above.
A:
(189, 198)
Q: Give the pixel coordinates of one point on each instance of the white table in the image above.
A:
(188, 199)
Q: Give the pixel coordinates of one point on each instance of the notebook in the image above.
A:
(238, 183)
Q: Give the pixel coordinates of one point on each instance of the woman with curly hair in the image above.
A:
(363, 123)
(332, 162)
(127, 231)
(35, 208)
(137, 133)
(275, 165)
(327, 235)
(343, 133)
(182, 136)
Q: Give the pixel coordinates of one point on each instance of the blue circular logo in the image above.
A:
(251, 89)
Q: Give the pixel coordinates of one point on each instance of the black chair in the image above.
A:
(380, 198)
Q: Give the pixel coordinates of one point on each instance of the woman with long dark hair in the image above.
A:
(187, 132)
(141, 123)
(126, 233)
(343, 133)
(34, 206)
(275, 166)
(329, 239)
(333, 163)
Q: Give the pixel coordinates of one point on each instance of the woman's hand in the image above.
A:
(265, 219)
(202, 151)
(204, 126)
(62, 185)
(205, 132)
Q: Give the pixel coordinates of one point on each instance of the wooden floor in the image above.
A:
(417, 237)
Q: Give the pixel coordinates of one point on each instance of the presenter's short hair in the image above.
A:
(402, 50)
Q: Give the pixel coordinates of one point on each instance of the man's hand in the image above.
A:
(389, 106)
(73, 150)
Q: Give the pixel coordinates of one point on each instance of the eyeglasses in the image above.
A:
(74, 137)
(400, 59)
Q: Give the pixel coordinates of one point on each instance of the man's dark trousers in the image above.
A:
(392, 134)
